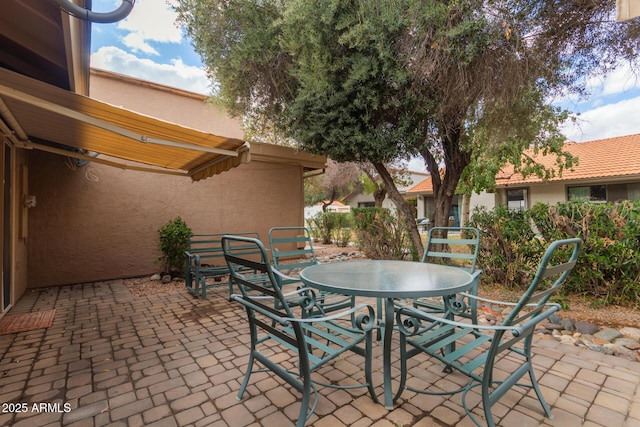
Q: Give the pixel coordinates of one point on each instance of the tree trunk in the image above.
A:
(404, 209)
(379, 195)
(466, 206)
(446, 181)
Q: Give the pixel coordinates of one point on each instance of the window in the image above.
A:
(366, 204)
(517, 199)
(593, 193)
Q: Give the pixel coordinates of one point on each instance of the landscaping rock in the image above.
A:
(586, 328)
(607, 334)
(633, 333)
(554, 318)
(568, 324)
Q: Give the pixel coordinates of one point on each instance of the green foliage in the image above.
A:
(380, 235)
(509, 252)
(461, 83)
(332, 227)
(608, 265)
(174, 241)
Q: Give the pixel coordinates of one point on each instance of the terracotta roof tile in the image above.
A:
(603, 158)
(424, 186)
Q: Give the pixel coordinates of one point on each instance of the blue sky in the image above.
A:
(149, 46)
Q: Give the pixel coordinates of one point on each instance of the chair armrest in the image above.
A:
(495, 302)
(411, 328)
(365, 322)
(284, 278)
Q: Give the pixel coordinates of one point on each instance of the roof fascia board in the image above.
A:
(271, 153)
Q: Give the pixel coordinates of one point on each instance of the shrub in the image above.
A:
(380, 235)
(509, 252)
(331, 227)
(512, 243)
(609, 264)
(323, 225)
(174, 241)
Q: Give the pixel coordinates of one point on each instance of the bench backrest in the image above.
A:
(209, 246)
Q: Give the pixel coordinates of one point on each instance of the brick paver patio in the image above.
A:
(112, 359)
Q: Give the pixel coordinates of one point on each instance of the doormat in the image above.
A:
(12, 324)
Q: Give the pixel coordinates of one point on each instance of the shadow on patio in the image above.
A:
(110, 358)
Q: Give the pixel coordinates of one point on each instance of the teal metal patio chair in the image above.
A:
(476, 350)
(457, 247)
(310, 342)
(292, 251)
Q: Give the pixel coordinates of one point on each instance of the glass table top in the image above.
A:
(387, 279)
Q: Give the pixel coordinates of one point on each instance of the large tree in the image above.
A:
(463, 83)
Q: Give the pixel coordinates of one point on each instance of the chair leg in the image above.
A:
(368, 366)
(304, 402)
(245, 382)
(536, 387)
(403, 367)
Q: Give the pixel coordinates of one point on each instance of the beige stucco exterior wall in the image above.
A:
(98, 222)
(550, 193)
(172, 105)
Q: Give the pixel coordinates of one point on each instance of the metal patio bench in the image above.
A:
(311, 342)
(475, 350)
(204, 261)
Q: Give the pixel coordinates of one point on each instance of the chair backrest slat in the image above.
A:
(557, 262)
(291, 248)
(456, 246)
(250, 269)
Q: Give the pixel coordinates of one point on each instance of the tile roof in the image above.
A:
(603, 158)
(424, 186)
(617, 157)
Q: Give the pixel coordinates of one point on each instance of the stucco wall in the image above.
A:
(172, 105)
(98, 222)
(550, 193)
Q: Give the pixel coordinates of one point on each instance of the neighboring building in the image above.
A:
(607, 170)
(426, 205)
(361, 199)
(335, 206)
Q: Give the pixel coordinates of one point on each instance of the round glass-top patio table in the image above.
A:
(387, 280)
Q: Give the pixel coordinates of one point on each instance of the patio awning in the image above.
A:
(35, 114)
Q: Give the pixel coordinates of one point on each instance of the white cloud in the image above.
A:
(175, 73)
(136, 42)
(621, 80)
(608, 121)
(152, 20)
